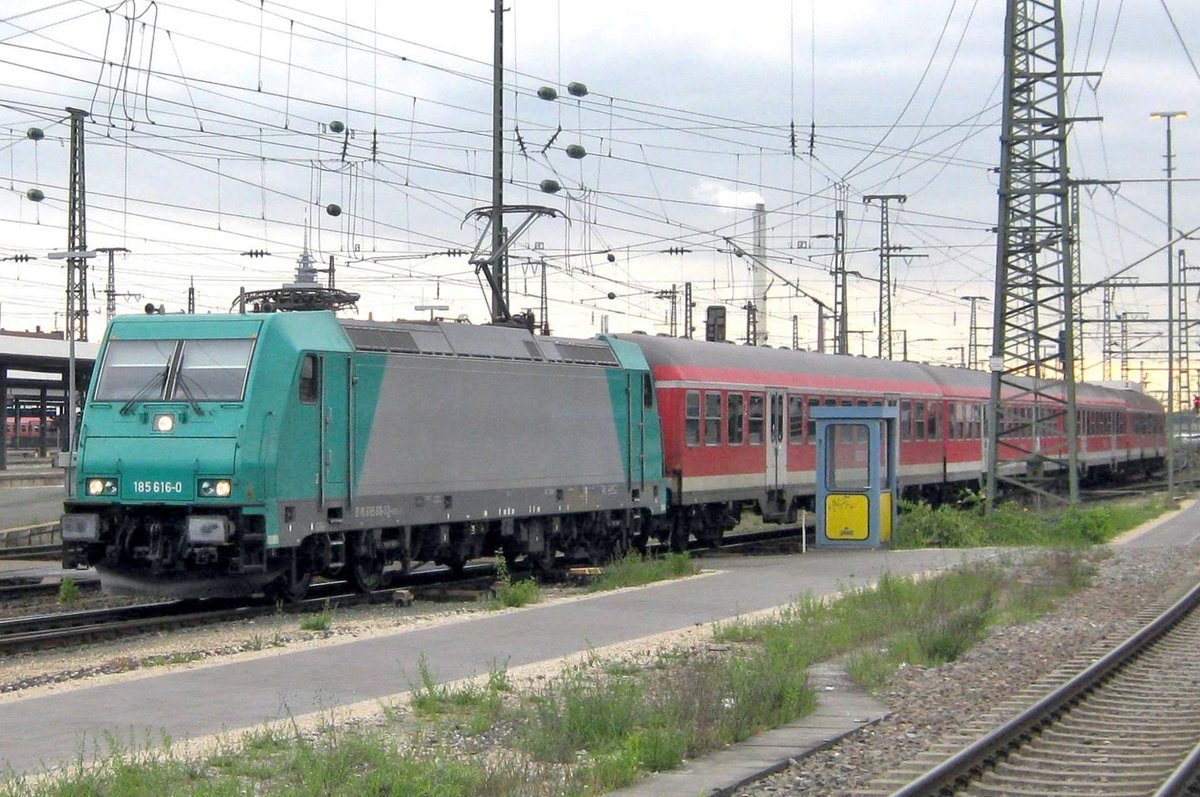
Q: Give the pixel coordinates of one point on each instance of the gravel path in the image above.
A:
(929, 703)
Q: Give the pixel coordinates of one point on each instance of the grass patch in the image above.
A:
(172, 658)
(320, 621)
(68, 591)
(511, 594)
(634, 569)
(624, 725)
(471, 706)
(923, 526)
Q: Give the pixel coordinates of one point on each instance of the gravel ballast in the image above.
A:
(929, 704)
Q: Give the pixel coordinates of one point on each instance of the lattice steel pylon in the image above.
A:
(1183, 389)
(1075, 252)
(1032, 422)
(77, 292)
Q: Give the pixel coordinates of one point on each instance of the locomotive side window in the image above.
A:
(134, 368)
(795, 420)
(214, 370)
(712, 419)
(691, 414)
(755, 432)
(737, 418)
(647, 392)
(310, 379)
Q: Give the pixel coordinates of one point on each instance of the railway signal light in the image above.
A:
(714, 323)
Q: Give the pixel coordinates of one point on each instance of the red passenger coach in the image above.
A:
(736, 423)
(737, 428)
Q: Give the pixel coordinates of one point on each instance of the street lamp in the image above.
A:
(75, 260)
(432, 308)
(1169, 115)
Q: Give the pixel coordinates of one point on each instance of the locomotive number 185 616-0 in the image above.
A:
(157, 487)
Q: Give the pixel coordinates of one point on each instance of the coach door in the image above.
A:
(776, 439)
(335, 433)
(636, 386)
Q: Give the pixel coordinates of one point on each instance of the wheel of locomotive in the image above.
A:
(287, 589)
(292, 585)
(366, 558)
(457, 563)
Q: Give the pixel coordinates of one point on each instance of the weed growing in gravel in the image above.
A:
(68, 591)
(510, 594)
(625, 723)
(321, 621)
(634, 569)
(171, 658)
(475, 707)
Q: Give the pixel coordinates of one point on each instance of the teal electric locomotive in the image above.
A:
(236, 454)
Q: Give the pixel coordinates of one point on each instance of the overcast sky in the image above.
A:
(210, 136)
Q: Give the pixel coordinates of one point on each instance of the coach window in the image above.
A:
(755, 416)
(906, 420)
(310, 379)
(811, 429)
(918, 416)
(795, 420)
(712, 419)
(933, 420)
(737, 419)
(691, 414)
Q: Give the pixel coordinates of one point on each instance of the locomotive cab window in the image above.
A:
(177, 370)
(647, 392)
(212, 370)
(310, 379)
(134, 368)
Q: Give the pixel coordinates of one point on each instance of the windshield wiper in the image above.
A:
(182, 381)
(155, 381)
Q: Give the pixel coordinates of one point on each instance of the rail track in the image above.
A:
(66, 628)
(1127, 724)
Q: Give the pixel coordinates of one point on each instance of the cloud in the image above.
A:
(720, 195)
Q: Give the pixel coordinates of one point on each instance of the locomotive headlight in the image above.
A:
(102, 487)
(164, 423)
(215, 488)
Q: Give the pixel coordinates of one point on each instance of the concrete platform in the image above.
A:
(51, 729)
